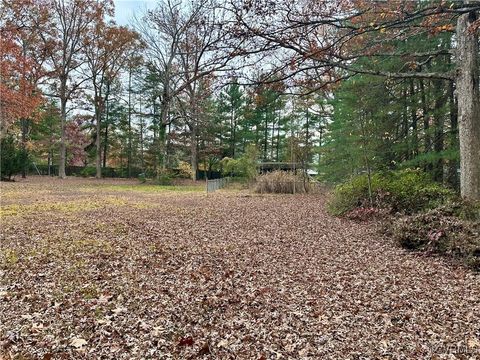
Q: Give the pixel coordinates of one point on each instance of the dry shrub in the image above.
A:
(444, 230)
(281, 182)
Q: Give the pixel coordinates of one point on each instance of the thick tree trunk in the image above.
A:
(468, 96)
(162, 136)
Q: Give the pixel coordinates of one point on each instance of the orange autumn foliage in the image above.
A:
(19, 98)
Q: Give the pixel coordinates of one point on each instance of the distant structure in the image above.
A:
(266, 167)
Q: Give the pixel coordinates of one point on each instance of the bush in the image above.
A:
(12, 158)
(164, 179)
(185, 170)
(405, 191)
(245, 166)
(281, 182)
(452, 229)
(88, 171)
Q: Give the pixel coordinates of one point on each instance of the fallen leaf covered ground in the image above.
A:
(116, 270)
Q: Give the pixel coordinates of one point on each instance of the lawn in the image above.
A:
(119, 270)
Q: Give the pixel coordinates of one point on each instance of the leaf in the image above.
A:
(78, 343)
(473, 342)
(186, 341)
(205, 350)
(119, 310)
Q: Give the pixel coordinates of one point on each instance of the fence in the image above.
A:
(216, 184)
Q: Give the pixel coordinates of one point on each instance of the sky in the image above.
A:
(126, 9)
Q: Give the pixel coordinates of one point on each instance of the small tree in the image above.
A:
(11, 159)
(245, 166)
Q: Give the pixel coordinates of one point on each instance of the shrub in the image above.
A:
(164, 179)
(281, 182)
(405, 191)
(185, 170)
(12, 158)
(443, 230)
(88, 171)
(245, 166)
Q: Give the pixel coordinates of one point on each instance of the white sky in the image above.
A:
(126, 9)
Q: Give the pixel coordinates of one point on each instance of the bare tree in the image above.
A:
(63, 34)
(106, 49)
(186, 43)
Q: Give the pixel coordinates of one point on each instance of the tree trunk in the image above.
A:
(265, 138)
(142, 138)
(63, 120)
(105, 139)
(468, 107)
(24, 123)
(49, 161)
(278, 142)
(162, 135)
(405, 125)
(98, 157)
(155, 140)
(129, 153)
(439, 123)
(105, 146)
(426, 122)
(452, 175)
(193, 149)
(413, 116)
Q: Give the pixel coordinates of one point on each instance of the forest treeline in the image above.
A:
(342, 87)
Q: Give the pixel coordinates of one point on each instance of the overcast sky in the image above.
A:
(125, 9)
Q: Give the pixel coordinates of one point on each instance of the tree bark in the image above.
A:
(468, 96)
(439, 123)
(24, 123)
(193, 149)
(98, 158)
(63, 120)
(413, 116)
(161, 146)
(426, 122)
(105, 146)
(129, 153)
(105, 139)
(452, 175)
